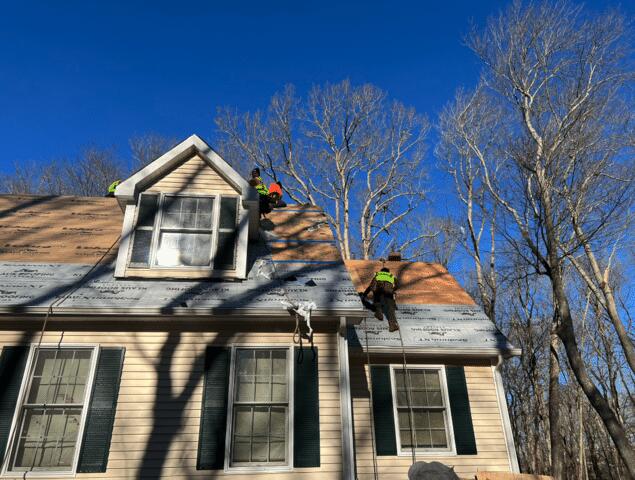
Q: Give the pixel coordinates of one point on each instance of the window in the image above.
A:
(259, 428)
(421, 401)
(51, 415)
(176, 231)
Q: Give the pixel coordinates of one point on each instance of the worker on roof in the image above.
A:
(111, 188)
(275, 194)
(383, 287)
(264, 204)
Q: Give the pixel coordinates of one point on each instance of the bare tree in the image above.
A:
(148, 147)
(345, 148)
(561, 75)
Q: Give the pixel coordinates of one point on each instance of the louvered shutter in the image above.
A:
(383, 415)
(93, 457)
(12, 364)
(306, 411)
(460, 408)
(211, 439)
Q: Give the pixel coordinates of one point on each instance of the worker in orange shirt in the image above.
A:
(275, 194)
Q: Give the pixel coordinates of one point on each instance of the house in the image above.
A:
(163, 333)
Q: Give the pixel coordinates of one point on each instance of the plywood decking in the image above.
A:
(159, 405)
(58, 229)
(486, 418)
(193, 176)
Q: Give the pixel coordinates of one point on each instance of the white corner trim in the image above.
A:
(125, 241)
(507, 426)
(348, 453)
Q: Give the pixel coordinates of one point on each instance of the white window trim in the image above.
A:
(18, 410)
(215, 230)
(230, 411)
(449, 427)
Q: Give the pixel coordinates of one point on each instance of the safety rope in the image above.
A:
(408, 392)
(370, 403)
(49, 313)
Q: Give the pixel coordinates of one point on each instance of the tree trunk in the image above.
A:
(598, 402)
(557, 451)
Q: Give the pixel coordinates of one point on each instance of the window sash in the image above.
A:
(412, 410)
(214, 231)
(46, 411)
(235, 405)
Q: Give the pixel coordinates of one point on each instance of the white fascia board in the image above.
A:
(128, 189)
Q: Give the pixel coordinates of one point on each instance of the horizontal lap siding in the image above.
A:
(174, 386)
(193, 176)
(488, 429)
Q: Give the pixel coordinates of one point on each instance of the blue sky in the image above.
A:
(89, 73)
(75, 73)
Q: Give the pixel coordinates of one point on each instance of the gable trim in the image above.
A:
(128, 189)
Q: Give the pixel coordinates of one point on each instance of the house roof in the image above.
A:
(61, 251)
(48, 245)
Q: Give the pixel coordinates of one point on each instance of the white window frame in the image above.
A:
(156, 231)
(19, 407)
(449, 428)
(228, 468)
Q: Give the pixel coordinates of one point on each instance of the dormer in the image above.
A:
(188, 214)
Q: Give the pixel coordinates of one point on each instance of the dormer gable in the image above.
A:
(187, 214)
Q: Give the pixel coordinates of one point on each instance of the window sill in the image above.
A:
(428, 453)
(180, 273)
(39, 474)
(258, 469)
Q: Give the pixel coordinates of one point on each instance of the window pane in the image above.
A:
(47, 439)
(228, 211)
(59, 376)
(435, 399)
(439, 439)
(423, 439)
(184, 249)
(147, 210)
(141, 247)
(187, 212)
(432, 380)
(416, 379)
(437, 420)
(225, 258)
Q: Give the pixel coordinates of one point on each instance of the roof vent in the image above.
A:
(394, 257)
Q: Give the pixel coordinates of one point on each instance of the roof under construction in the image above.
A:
(60, 252)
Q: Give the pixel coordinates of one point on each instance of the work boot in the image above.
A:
(393, 326)
(379, 315)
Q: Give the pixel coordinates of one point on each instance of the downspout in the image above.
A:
(502, 407)
(348, 458)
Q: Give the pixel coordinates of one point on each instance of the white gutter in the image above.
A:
(502, 407)
(348, 454)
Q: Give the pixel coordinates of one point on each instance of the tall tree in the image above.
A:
(346, 148)
(562, 77)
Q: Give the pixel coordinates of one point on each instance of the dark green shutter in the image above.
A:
(93, 457)
(211, 436)
(383, 416)
(460, 408)
(306, 412)
(12, 363)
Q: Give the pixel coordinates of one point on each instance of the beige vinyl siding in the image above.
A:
(486, 418)
(193, 176)
(161, 392)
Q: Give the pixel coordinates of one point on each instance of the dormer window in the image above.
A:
(187, 215)
(185, 231)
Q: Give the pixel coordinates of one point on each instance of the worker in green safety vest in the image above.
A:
(112, 187)
(383, 287)
(264, 205)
